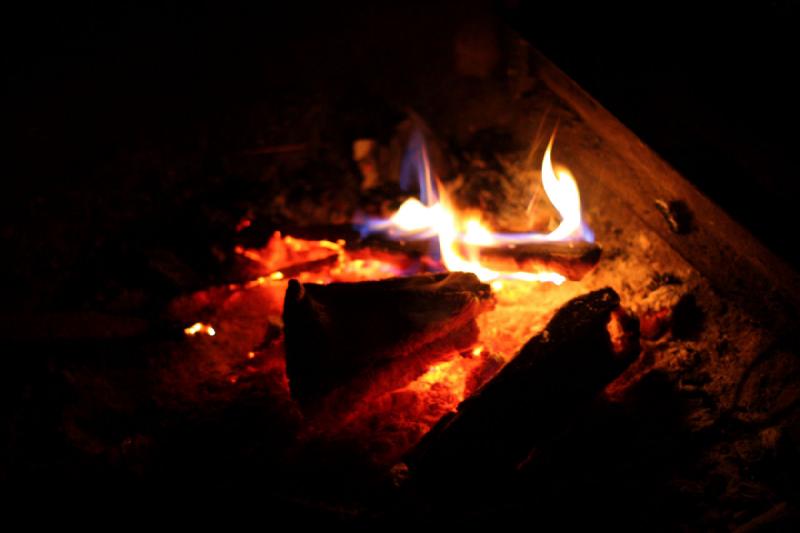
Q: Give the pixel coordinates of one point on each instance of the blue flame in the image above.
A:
(586, 232)
(416, 169)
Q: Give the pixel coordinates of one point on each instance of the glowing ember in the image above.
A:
(243, 224)
(451, 375)
(461, 238)
(199, 327)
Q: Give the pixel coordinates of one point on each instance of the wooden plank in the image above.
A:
(729, 256)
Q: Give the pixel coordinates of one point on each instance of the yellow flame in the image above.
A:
(477, 234)
(443, 220)
(413, 216)
(563, 193)
(460, 239)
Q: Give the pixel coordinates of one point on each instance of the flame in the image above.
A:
(562, 191)
(461, 238)
(413, 220)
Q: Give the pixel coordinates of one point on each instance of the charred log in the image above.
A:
(533, 398)
(352, 338)
(570, 259)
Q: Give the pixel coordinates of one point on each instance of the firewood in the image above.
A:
(570, 259)
(555, 375)
(351, 338)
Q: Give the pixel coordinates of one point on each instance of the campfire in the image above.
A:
(382, 336)
(467, 295)
(452, 336)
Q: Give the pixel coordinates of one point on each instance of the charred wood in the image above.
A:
(533, 398)
(572, 260)
(353, 338)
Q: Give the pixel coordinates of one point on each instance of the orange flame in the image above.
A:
(461, 238)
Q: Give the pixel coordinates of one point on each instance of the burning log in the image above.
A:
(572, 260)
(344, 340)
(586, 345)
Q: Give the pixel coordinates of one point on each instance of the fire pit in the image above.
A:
(489, 302)
(489, 376)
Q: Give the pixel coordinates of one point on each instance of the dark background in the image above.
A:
(93, 88)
